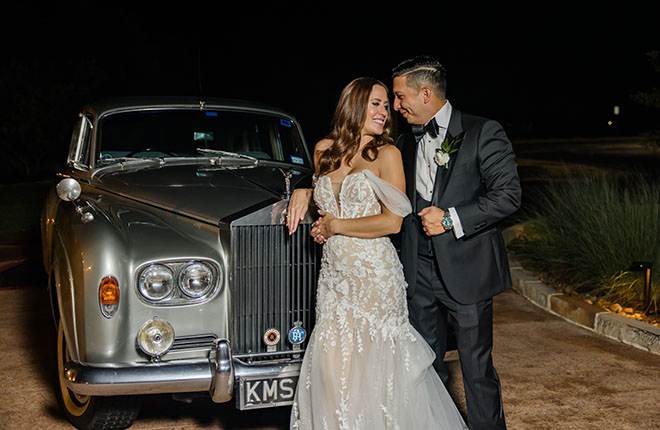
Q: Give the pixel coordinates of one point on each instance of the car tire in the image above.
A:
(92, 412)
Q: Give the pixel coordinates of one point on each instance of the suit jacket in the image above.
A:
(482, 184)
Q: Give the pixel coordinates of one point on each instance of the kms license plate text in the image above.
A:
(262, 393)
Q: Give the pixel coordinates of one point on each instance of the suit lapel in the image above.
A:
(442, 174)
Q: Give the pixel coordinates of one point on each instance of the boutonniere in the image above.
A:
(449, 146)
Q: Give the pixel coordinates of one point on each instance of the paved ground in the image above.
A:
(554, 375)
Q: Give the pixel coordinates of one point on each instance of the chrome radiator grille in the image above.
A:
(273, 284)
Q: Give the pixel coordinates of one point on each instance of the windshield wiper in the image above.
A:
(120, 159)
(254, 161)
(126, 163)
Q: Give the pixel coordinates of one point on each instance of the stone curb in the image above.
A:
(627, 330)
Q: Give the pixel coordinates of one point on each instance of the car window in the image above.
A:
(179, 133)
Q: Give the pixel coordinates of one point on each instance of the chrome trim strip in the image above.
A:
(205, 341)
(264, 356)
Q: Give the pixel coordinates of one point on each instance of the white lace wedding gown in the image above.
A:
(365, 366)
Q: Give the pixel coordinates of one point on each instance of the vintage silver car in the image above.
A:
(170, 266)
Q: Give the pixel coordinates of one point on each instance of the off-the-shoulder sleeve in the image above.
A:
(392, 197)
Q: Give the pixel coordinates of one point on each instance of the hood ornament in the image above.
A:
(287, 183)
(281, 211)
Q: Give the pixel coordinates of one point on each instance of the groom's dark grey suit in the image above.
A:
(459, 277)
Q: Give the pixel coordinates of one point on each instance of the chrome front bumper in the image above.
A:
(217, 376)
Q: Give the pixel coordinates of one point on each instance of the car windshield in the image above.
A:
(183, 133)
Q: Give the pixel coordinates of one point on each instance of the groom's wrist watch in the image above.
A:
(447, 222)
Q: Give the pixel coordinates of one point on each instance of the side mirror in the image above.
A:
(68, 189)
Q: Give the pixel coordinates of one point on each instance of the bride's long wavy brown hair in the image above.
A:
(347, 125)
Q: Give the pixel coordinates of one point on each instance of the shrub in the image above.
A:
(585, 229)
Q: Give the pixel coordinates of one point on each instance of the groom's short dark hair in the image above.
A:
(423, 70)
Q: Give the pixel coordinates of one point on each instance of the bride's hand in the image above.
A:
(323, 228)
(316, 235)
(298, 204)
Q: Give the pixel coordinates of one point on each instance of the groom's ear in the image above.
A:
(427, 93)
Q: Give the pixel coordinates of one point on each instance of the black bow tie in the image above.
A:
(431, 127)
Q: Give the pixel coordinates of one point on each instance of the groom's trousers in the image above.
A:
(429, 309)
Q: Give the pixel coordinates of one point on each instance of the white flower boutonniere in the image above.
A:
(441, 158)
(449, 146)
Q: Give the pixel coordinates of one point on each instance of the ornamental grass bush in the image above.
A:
(584, 230)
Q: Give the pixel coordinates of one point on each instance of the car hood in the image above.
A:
(211, 194)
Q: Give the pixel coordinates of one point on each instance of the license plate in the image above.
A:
(256, 392)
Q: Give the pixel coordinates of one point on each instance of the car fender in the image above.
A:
(123, 236)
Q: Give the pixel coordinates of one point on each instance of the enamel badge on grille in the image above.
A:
(297, 335)
(271, 338)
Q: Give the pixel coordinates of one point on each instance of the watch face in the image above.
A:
(447, 222)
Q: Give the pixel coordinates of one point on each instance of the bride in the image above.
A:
(365, 366)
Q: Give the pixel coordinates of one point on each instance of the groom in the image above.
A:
(452, 249)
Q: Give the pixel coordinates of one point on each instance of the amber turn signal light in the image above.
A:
(109, 296)
(109, 290)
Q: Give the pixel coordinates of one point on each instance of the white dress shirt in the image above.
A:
(427, 168)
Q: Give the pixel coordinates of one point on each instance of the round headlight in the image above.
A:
(155, 337)
(156, 282)
(196, 280)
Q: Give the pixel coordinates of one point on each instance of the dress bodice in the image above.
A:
(356, 197)
(360, 194)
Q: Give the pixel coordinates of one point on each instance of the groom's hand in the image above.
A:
(431, 218)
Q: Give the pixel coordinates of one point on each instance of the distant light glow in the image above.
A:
(609, 122)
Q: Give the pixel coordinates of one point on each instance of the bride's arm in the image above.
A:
(301, 198)
(390, 168)
(368, 227)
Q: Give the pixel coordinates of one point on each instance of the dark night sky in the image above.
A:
(547, 72)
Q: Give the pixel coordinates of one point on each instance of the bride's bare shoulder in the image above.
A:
(389, 162)
(389, 154)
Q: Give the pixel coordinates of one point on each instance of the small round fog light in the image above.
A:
(155, 337)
